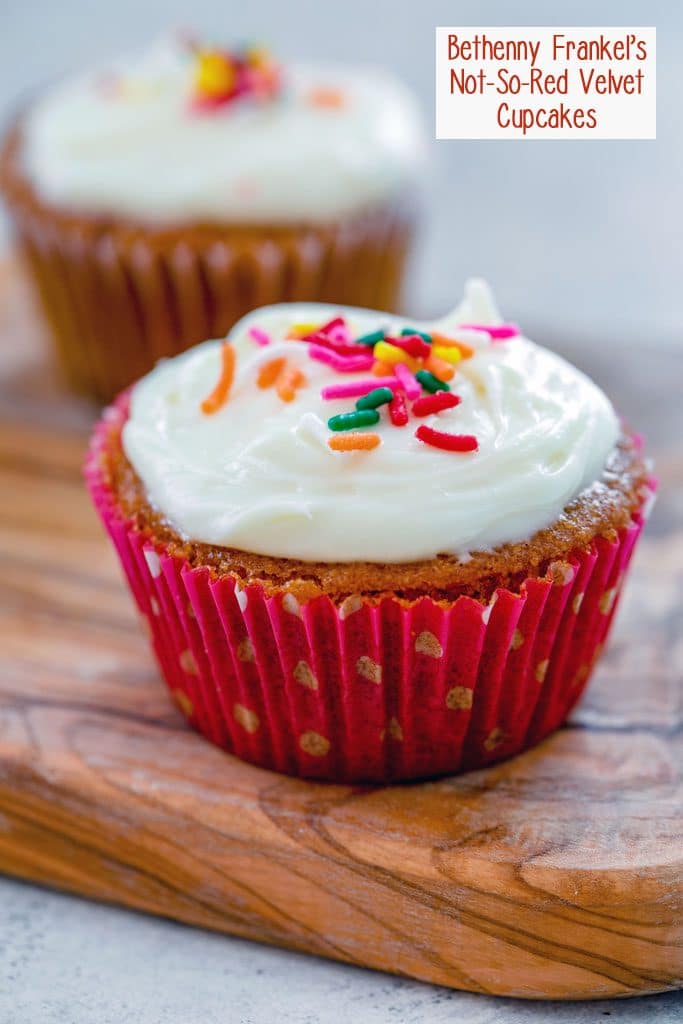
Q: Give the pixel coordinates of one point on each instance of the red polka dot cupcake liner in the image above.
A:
(363, 691)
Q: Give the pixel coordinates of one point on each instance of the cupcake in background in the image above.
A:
(370, 549)
(160, 200)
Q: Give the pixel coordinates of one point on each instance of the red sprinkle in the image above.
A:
(398, 410)
(413, 344)
(449, 442)
(321, 338)
(337, 321)
(427, 404)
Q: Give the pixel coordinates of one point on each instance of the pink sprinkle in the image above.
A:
(323, 355)
(259, 336)
(357, 388)
(343, 365)
(407, 381)
(499, 333)
(341, 334)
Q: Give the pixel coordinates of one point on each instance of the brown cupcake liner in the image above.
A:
(117, 296)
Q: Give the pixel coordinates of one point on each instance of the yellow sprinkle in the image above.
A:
(385, 352)
(451, 355)
(215, 75)
(301, 330)
(466, 351)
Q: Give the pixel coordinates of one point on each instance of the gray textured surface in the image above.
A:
(65, 961)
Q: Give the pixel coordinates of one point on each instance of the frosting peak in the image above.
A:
(259, 473)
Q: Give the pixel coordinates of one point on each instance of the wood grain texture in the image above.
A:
(557, 874)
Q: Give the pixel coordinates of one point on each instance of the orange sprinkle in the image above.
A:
(380, 369)
(270, 371)
(353, 442)
(327, 97)
(466, 351)
(289, 379)
(220, 393)
(440, 368)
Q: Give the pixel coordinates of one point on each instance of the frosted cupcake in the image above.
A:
(159, 200)
(370, 549)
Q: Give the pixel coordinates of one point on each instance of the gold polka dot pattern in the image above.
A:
(248, 719)
(427, 643)
(460, 698)
(188, 663)
(314, 744)
(369, 669)
(304, 674)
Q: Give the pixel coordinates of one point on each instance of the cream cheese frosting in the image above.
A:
(127, 141)
(258, 475)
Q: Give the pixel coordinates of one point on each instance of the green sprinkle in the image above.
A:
(431, 383)
(422, 334)
(370, 339)
(375, 398)
(349, 420)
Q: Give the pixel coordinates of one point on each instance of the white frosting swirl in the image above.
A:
(258, 475)
(138, 149)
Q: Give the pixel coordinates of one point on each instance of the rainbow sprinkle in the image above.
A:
(443, 341)
(219, 396)
(353, 442)
(326, 97)
(370, 339)
(344, 364)
(398, 410)
(412, 330)
(349, 420)
(429, 404)
(358, 387)
(430, 382)
(288, 381)
(411, 367)
(408, 381)
(500, 333)
(439, 368)
(374, 399)
(448, 442)
(450, 353)
(259, 336)
(223, 76)
(413, 344)
(390, 354)
(270, 372)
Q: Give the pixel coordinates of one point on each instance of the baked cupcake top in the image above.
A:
(195, 133)
(468, 435)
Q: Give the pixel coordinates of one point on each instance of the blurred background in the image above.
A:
(576, 237)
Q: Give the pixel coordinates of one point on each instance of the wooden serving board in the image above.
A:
(557, 874)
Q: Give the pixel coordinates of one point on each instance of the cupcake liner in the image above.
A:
(363, 691)
(118, 297)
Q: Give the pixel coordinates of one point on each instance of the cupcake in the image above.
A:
(159, 200)
(368, 549)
